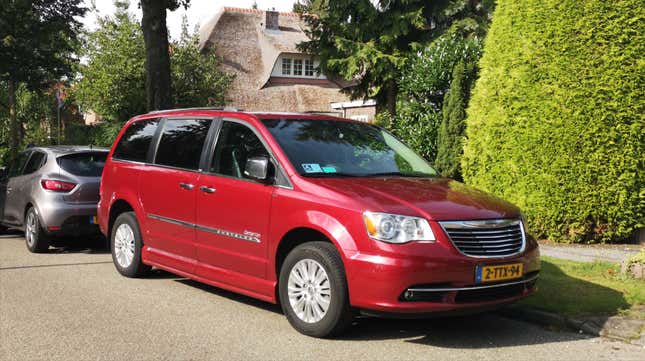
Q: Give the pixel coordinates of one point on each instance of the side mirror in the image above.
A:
(257, 168)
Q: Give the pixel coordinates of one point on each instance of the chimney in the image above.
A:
(271, 20)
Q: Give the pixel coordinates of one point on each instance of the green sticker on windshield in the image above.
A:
(329, 169)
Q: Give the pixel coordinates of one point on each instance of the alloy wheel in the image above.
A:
(309, 290)
(31, 229)
(124, 245)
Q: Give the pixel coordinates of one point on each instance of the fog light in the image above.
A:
(408, 295)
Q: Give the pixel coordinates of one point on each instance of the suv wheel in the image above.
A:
(35, 236)
(125, 243)
(313, 290)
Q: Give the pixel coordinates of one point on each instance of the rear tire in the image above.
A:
(126, 244)
(35, 237)
(313, 290)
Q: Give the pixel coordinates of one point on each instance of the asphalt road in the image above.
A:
(71, 304)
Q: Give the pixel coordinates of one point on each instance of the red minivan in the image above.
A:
(327, 216)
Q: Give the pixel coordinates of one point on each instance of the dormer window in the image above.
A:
(296, 66)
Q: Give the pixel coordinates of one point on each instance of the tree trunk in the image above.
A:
(392, 93)
(155, 35)
(13, 120)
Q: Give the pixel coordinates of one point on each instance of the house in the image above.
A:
(260, 48)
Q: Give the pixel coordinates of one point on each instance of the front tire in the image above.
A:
(126, 244)
(35, 236)
(313, 290)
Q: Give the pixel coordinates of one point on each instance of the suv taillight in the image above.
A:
(56, 185)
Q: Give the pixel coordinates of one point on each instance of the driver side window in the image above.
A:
(235, 144)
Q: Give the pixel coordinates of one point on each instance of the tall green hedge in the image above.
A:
(556, 120)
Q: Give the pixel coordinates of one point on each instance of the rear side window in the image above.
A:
(34, 163)
(181, 142)
(89, 164)
(135, 142)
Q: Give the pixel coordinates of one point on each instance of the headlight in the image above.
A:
(395, 228)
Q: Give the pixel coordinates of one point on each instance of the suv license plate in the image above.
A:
(498, 272)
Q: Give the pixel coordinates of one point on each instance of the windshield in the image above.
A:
(89, 164)
(327, 148)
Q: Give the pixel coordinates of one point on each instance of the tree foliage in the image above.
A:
(369, 42)
(556, 122)
(35, 112)
(37, 42)
(451, 130)
(426, 78)
(112, 81)
(196, 78)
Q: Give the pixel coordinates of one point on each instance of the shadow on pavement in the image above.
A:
(232, 296)
(487, 330)
(95, 244)
(481, 331)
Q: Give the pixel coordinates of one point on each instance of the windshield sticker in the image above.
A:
(312, 168)
(329, 169)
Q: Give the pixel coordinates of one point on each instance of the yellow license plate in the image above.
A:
(499, 272)
(93, 220)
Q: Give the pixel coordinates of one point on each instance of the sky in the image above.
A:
(199, 12)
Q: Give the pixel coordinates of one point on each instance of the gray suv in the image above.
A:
(51, 191)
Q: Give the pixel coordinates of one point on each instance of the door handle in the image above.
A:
(187, 186)
(206, 189)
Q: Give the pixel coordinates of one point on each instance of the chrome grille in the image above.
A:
(487, 238)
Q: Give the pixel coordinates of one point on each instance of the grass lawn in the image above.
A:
(581, 288)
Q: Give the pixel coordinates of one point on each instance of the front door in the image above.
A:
(232, 210)
(12, 205)
(168, 191)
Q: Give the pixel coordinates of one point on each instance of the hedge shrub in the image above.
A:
(555, 123)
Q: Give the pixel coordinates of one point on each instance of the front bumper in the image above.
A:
(444, 283)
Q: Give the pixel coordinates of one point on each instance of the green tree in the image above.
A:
(556, 124)
(37, 43)
(112, 82)
(155, 35)
(303, 6)
(451, 130)
(196, 78)
(425, 82)
(371, 43)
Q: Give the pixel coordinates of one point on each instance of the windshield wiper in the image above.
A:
(397, 174)
(330, 175)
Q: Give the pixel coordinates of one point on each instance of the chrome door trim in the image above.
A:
(226, 233)
(217, 231)
(171, 220)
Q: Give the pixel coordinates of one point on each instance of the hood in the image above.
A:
(438, 199)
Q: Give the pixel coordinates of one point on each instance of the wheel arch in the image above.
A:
(293, 239)
(118, 206)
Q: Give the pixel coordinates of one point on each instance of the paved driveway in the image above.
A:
(71, 304)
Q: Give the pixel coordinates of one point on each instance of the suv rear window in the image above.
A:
(89, 164)
(135, 142)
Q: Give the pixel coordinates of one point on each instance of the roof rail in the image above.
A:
(228, 109)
